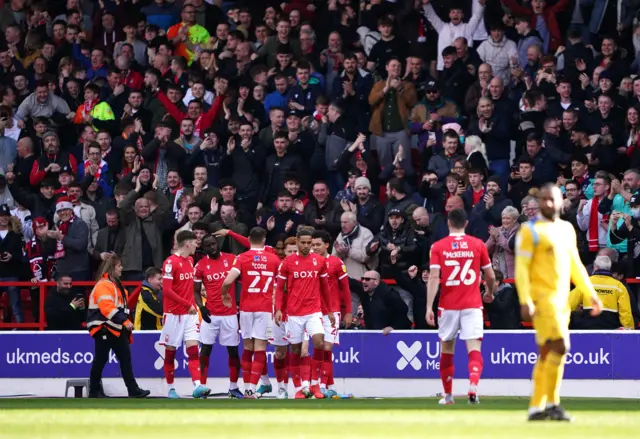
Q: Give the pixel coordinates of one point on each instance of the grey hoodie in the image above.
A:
(5, 193)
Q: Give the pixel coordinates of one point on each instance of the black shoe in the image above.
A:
(557, 413)
(539, 416)
(97, 393)
(139, 393)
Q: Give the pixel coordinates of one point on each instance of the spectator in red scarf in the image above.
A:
(72, 239)
(39, 251)
(202, 120)
(97, 167)
(98, 114)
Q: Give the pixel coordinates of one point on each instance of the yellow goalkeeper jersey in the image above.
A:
(547, 261)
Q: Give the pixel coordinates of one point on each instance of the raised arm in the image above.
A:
(433, 18)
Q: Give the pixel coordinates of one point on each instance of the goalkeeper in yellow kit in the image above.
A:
(547, 261)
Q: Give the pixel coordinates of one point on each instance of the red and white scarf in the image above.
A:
(41, 265)
(87, 108)
(197, 126)
(64, 228)
(125, 136)
(594, 226)
(101, 165)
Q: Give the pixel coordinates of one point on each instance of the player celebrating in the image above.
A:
(547, 262)
(459, 257)
(340, 299)
(220, 322)
(257, 268)
(281, 357)
(304, 275)
(265, 384)
(180, 313)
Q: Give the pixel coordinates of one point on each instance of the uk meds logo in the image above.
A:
(409, 355)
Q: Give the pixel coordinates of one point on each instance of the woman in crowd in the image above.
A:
(501, 242)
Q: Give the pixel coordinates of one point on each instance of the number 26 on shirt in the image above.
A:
(461, 274)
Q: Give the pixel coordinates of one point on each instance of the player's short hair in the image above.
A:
(457, 218)
(499, 276)
(291, 240)
(183, 236)
(304, 231)
(322, 234)
(209, 237)
(257, 235)
(152, 271)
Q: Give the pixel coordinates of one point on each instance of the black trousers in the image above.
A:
(105, 342)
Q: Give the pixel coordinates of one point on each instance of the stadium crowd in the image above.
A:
(126, 121)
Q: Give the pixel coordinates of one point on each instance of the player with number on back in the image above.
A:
(304, 276)
(257, 270)
(455, 266)
(219, 321)
(180, 313)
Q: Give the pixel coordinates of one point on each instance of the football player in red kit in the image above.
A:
(219, 321)
(180, 314)
(257, 270)
(455, 263)
(340, 299)
(304, 276)
(278, 363)
(281, 356)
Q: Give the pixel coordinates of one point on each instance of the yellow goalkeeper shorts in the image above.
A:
(551, 325)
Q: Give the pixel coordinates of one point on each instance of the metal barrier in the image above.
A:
(132, 300)
(44, 287)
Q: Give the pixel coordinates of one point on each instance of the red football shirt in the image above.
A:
(177, 285)
(460, 258)
(257, 270)
(211, 273)
(305, 278)
(338, 284)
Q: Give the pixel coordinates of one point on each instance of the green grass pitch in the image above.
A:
(494, 418)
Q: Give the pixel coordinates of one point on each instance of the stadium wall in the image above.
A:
(367, 364)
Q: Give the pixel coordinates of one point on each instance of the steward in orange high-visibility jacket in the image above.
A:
(109, 325)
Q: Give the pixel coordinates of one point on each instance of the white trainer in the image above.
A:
(473, 395)
(282, 394)
(447, 400)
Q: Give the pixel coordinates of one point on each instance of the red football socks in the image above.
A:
(475, 367)
(264, 368)
(327, 369)
(287, 367)
(169, 366)
(204, 369)
(305, 369)
(446, 372)
(318, 364)
(280, 368)
(259, 361)
(193, 363)
(247, 356)
(314, 368)
(295, 370)
(234, 369)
